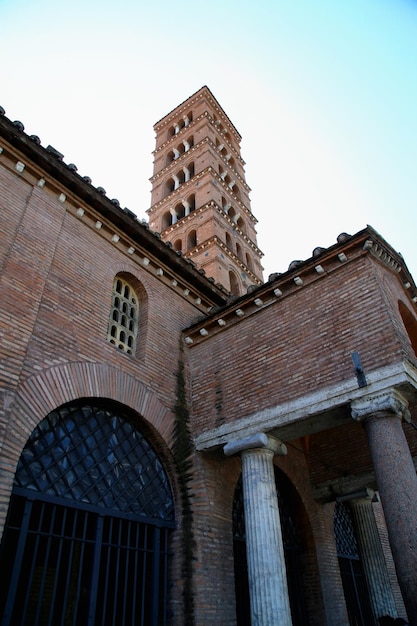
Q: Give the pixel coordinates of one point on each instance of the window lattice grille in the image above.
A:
(89, 454)
(344, 532)
(123, 323)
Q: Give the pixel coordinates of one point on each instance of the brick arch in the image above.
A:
(42, 393)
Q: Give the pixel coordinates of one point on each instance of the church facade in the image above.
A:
(182, 442)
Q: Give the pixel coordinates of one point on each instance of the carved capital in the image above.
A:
(260, 440)
(391, 402)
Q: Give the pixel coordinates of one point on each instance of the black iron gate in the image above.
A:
(353, 579)
(100, 560)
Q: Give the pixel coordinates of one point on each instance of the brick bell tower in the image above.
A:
(200, 199)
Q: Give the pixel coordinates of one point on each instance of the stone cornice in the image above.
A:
(300, 275)
(383, 254)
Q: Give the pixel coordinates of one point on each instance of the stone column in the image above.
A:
(176, 181)
(373, 560)
(397, 483)
(265, 551)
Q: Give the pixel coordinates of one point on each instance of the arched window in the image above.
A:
(178, 245)
(249, 261)
(241, 224)
(181, 177)
(86, 538)
(234, 284)
(179, 210)
(239, 252)
(190, 168)
(191, 203)
(226, 206)
(170, 186)
(410, 323)
(166, 220)
(123, 322)
(191, 240)
(228, 241)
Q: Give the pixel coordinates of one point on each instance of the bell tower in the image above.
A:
(200, 199)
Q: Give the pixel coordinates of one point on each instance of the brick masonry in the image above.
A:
(57, 272)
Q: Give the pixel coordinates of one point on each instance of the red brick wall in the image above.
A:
(56, 284)
(293, 347)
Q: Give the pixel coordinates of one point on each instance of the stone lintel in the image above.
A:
(259, 440)
(379, 405)
(361, 494)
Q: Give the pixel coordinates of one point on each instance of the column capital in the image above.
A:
(379, 405)
(259, 440)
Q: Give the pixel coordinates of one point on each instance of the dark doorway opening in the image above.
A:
(86, 537)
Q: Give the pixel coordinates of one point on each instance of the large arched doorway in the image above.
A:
(293, 550)
(86, 537)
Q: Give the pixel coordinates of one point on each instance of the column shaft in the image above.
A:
(265, 552)
(397, 484)
(373, 561)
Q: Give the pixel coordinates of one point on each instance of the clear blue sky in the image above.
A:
(323, 92)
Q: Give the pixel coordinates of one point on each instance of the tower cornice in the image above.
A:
(203, 92)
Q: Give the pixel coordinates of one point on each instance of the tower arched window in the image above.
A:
(189, 171)
(241, 224)
(228, 241)
(225, 205)
(239, 252)
(170, 186)
(191, 240)
(179, 210)
(234, 283)
(178, 245)
(166, 220)
(123, 322)
(191, 202)
(180, 177)
(249, 261)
